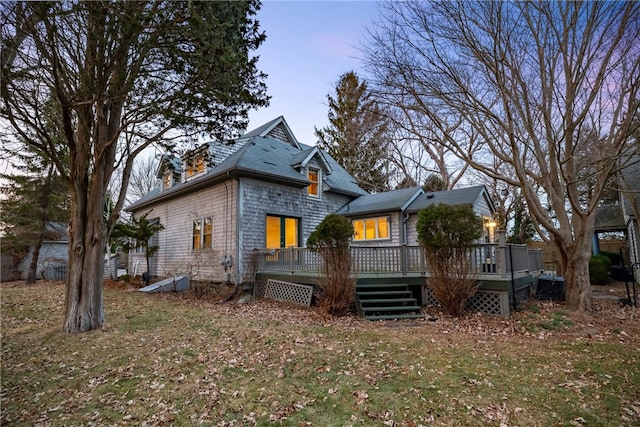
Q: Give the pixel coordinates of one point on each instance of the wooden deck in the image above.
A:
(506, 272)
(490, 261)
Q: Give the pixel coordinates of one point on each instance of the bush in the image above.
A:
(599, 269)
(337, 286)
(613, 256)
(447, 233)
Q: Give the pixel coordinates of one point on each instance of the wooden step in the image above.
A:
(382, 293)
(390, 301)
(394, 316)
(391, 308)
(383, 286)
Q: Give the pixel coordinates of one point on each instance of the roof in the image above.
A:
(457, 197)
(266, 128)
(412, 200)
(630, 186)
(387, 201)
(609, 218)
(266, 158)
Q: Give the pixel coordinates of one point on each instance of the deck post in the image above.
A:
(502, 252)
(403, 259)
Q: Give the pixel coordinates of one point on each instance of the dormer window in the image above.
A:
(167, 180)
(195, 166)
(313, 175)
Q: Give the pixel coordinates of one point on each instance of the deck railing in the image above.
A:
(487, 259)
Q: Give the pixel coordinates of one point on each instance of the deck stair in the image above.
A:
(387, 301)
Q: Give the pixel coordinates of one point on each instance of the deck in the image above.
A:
(506, 272)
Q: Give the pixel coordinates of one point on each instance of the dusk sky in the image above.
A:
(309, 45)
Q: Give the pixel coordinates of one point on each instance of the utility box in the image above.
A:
(551, 288)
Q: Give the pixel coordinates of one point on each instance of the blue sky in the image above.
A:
(309, 45)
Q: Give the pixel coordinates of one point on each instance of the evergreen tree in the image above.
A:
(31, 202)
(142, 230)
(357, 136)
(126, 75)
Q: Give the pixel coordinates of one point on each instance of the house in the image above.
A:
(629, 184)
(225, 200)
(242, 210)
(623, 217)
(53, 255)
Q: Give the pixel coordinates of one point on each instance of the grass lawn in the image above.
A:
(171, 359)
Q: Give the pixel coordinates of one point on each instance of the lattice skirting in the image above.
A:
(287, 291)
(259, 288)
(490, 302)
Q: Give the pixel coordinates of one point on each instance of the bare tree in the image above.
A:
(125, 75)
(416, 143)
(143, 177)
(529, 80)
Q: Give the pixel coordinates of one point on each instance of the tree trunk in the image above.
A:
(573, 257)
(35, 255)
(84, 298)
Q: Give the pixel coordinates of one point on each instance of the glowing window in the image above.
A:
(314, 177)
(166, 180)
(194, 166)
(282, 232)
(372, 228)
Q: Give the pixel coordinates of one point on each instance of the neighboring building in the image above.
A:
(225, 200)
(222, 203)
(54, 252)
(629, 184)
(623, 217)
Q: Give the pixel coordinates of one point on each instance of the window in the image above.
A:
(314, 176)
(371, 228)
(202, 233)
(195, 166)
(281, 232)
(166, 180)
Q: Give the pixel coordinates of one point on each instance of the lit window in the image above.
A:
(371, 228)
(166, 180)
(194, 166)
(202, 233)
(282, 232)
(314, 178)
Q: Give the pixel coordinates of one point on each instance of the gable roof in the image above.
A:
(167, 161)
(388, 201)
(456, 197)
(265, 158)
(277, 129)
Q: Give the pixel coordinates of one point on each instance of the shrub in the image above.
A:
(615, 257)
(599, 269)
(447, 233)
(337, 285)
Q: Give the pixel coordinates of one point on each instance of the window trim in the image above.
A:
(167, 180)
(377, 228)
(202, 235)
(194, 166)
(316, 183)
(283, 230)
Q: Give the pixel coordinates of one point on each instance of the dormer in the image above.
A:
(312, 163)
(169, 171)
(195, 163)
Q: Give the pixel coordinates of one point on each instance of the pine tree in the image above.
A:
(31, 202)
(357, 136)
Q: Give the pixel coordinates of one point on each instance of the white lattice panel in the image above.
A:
(259, 288)
(287, 291)
(490, 302)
